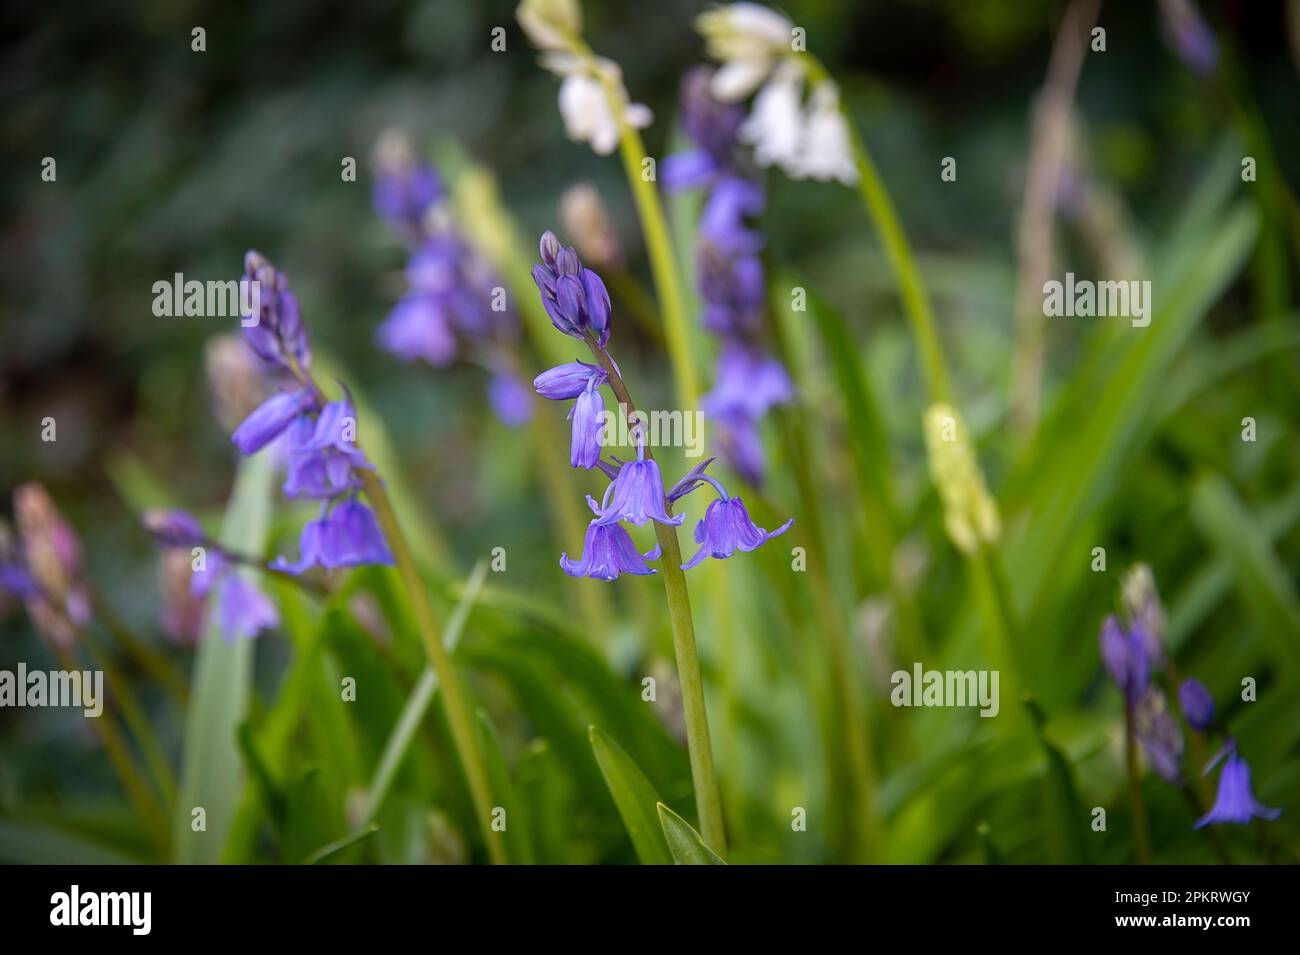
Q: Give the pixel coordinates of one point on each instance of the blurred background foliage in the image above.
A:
(175, 161)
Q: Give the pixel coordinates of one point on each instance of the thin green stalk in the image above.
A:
(1141, 832)
(663, 264)
(880, 209)
(149, 659)
(453, 699)
(708, 800)
(119, 757)
(417, 704)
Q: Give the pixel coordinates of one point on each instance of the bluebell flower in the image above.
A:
(278, 337)
(1190, 36)
(723, 223)
(1235, 801)
(1159, 734)
(636, 494)
(1125, 656)
(347, 536)
(575, 298)
(607, 551)
(727, 528)
(748, 382)
(174, 528)
(242, 609)
(418, 329)
(1196, 703)
(323, 456)
(271, 418)
(568, 380)
(712, 125)
(509, 399)
(404, 192)
(588, 427)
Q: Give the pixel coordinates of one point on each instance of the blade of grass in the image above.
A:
(635, 797)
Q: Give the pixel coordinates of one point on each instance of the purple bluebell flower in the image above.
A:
(418, 329)
(713, 126)
(723, 219)
(243, 610)
(748, 382)
(568, 380)
(346, 536)
(174, 528)
(739, 442)
(278, 337)
(727, 528)
(1197, 704)
(607, 551)
(1124, 654)
(636, 495)
(272, 417)
(588, 427)
(323, 456)
(575, 298)
(404, 192)
(1158, 732)
(1235, 801)
(731, 289)
(509, 399)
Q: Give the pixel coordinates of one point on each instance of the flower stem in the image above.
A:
(708, 799)
(453, 698)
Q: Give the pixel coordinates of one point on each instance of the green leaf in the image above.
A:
(684, 842)
(312, 818)
(330, 849)
(635, 798)
(519, 849)
(417, 704)
(212, 770)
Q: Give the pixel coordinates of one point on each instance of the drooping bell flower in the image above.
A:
(509, 399)
(588, 427)
(1124, 654)
(243, 610)
(568, 380)
(727, 528)
(636, 495)
(323, 456)
(1235, 801)
(271, 419)
(1196, 703)
(346, 536)
(712, 126)
(607, 551)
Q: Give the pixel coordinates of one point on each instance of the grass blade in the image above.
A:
(635, 797)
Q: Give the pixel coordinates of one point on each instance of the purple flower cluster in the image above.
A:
(454, 306)
(1131, 653)
(729, 274)
(576, 300)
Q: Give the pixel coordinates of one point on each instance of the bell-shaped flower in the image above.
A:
(1235, 801)
(636, 495)
(323, 455)
(568, 380)
(271, 418)
(588, 416)
(348, 536)
(1196, 703)
(727, 528)
(1125, 658)
(607, 551)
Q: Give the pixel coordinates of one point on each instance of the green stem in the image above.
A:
(453, 698)
(880, 209)
(708, 800)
